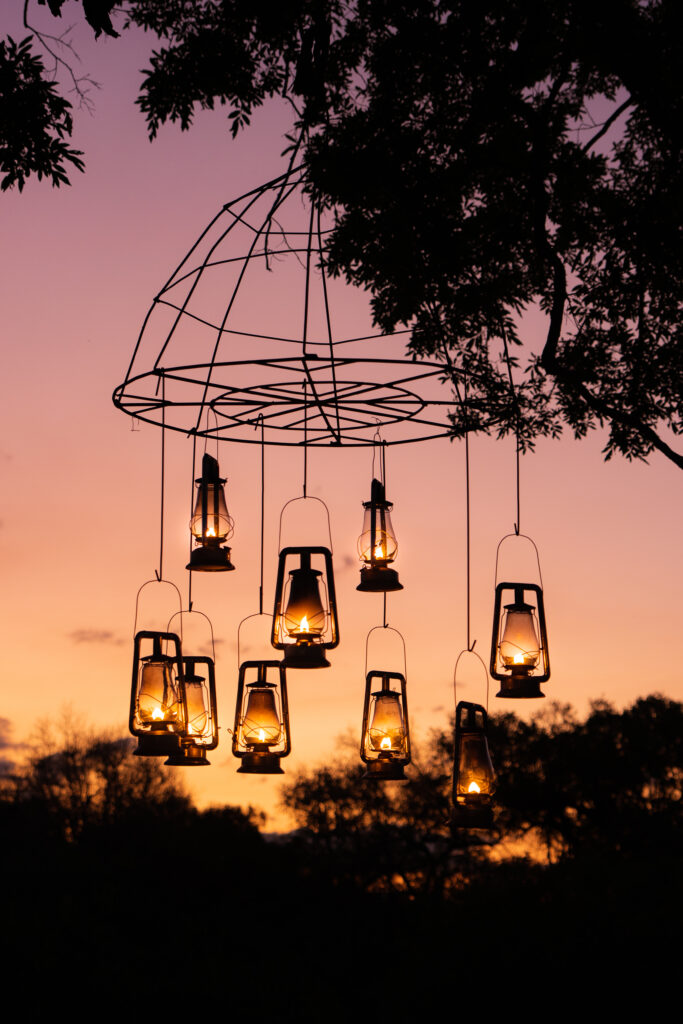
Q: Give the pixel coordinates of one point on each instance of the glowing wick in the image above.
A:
(210, 532)
(378, 551)
(157, 714)
(473, 788)
(262, 735)
(518, 659)
(304, 628)
(385, 744)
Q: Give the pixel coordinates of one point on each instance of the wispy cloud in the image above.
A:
(94, 636)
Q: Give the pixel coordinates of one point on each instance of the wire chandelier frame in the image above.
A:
(242, 334)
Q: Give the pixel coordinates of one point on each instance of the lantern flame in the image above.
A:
(262, 735)
(305, 628)
(379, 553)
(158, 715)
(385, 744)
(518, 659)
(473, 788)
(210, 532)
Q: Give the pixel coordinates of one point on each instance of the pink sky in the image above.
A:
(79, 535)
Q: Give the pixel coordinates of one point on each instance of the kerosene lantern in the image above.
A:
(377, 544)
(473, 776)
(261, 737)
(305, 621)
(385, 738)
(157, 706)
(211, 525)
(519, 646)
(200, 731)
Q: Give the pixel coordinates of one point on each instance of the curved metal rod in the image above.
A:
(137, 598)
(254, 615)
(193, 611)
(455, 676)
(518, 536)
(393, 630)
(307, 497)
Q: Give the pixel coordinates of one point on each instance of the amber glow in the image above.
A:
(379, 553)
(304, 625)
(158, 715)
(473, 788)
(385, 744)
(261, 723)
(211, 532)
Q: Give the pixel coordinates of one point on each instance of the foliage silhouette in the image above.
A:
(482, 158)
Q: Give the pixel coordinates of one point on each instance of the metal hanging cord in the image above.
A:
(515, 401)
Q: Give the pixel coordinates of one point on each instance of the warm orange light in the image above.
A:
(211, 532)
(473, 788)
(304, 628)
(518, 659)
(158, 715)
(385, 744)
(379, 553)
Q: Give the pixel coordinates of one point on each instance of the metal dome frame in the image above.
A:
(332, 391)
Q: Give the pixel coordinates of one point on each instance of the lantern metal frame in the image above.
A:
(376, 576)
(259, 758)
(208, 554)
(471, 810)
(162, 738)
(301, 653)
(385, 765)
(520, 681)
(193, 747)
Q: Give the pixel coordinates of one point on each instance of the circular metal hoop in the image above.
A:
(254, 286)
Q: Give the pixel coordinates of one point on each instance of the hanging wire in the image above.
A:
(263, 504)
(329, 327)
(160, 572)
(305, 438)
(192, 481)
(515, 401)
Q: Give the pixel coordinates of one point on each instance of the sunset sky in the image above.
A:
(80, 513)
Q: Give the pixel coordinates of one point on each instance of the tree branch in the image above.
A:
(608, 124)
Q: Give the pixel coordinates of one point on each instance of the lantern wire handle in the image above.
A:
(520, 536)
(305, 438)
(455, 676)
(167, 583)
(515, 402)
(398, 633)
(305, 497)
(192, 611)
(255, 615)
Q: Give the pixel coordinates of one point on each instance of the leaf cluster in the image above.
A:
(36, 120)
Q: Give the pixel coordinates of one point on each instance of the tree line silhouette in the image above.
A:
(111, 870)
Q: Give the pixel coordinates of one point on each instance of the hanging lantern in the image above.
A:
(377, 545)
(305, 621)
(385, 739)
(261, 736)
(473, 775)
(201, 726)
(519, 647)
(211, 524)
(157, 706)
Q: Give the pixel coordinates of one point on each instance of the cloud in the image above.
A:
(94, 636)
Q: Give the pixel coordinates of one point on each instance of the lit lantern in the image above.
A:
(157, 706)
(377, 545)
(201, 725)
(519, 647)
(305, 622)
(473, 776)
(385, 739)
(261, 736)
(211, 524)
